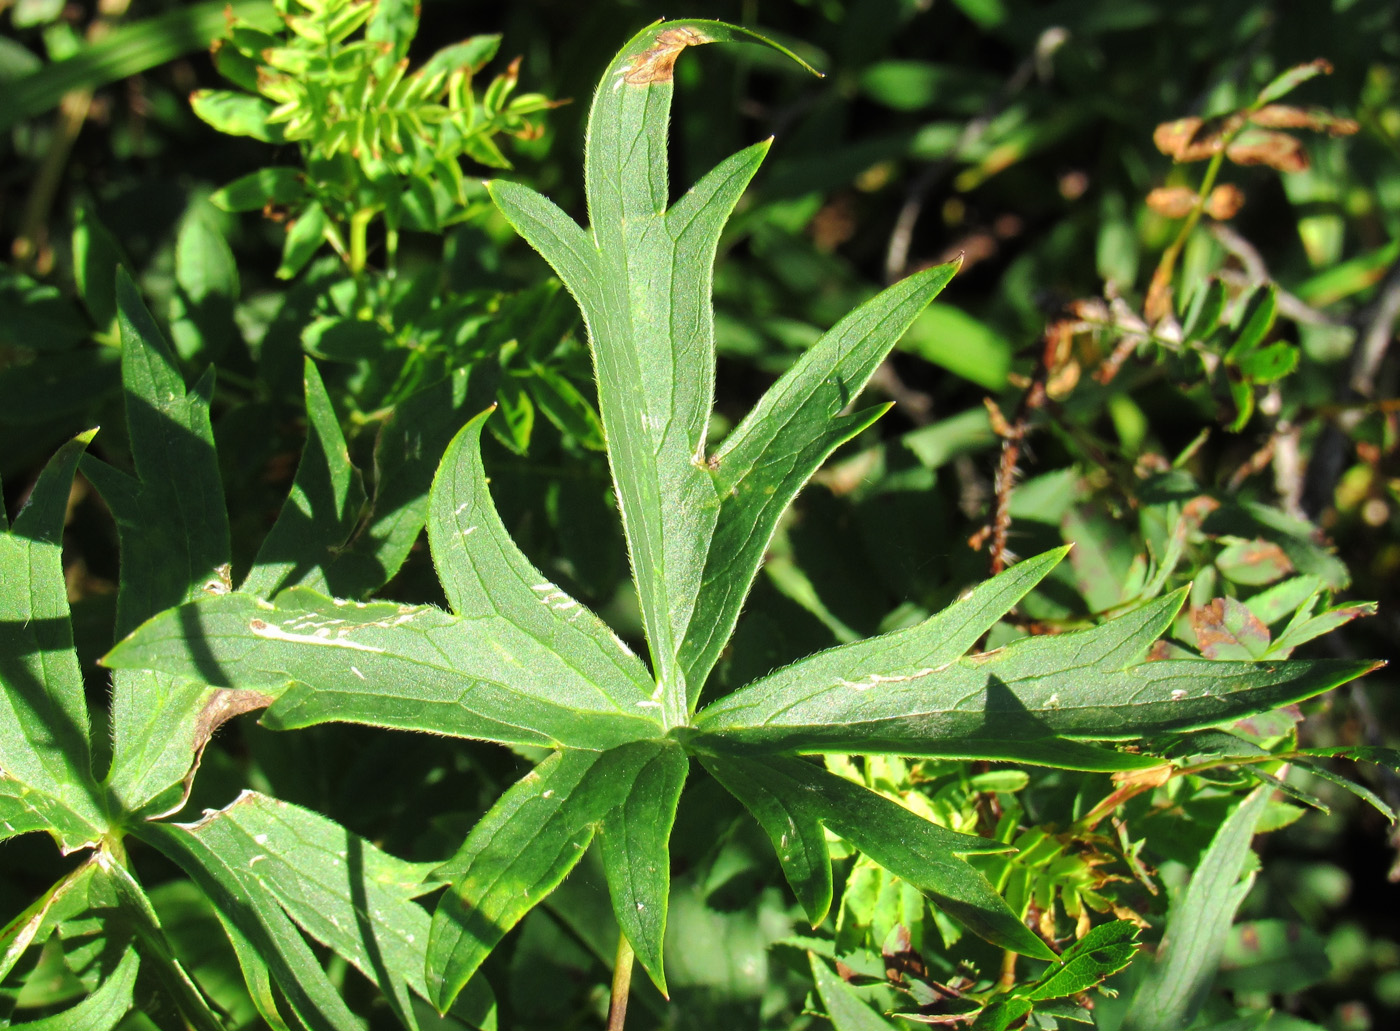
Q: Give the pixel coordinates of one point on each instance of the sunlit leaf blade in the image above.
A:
(844, 1008)
(103, 1009)
(780, 444)
(642, 277)
(1013, 703)
(487, 580)
(256, 976)
(1105, 950)
(634, 841)
(387, 665)
(795, 831)
(520, 851)
(236, 893)
(45, 763)
(321, 510)
(340, 889)
(1198, 924)
(155, 947)
(920, 852)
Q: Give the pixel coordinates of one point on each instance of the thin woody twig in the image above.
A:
(1013, 438)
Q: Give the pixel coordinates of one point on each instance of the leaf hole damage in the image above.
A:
(657, 63)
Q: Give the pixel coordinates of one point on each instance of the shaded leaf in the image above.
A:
(321, 511)
(46, 777)
(1198, 925)
(920, 852)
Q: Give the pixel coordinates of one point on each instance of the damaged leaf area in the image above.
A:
(658, 62)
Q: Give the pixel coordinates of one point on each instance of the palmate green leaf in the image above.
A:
(635, 837)
(173, 531)
(412, 667)
(1018, 703)
(486, 578)
(642, 276)
(46, 780)
(790, 797)
(321, 511)
(536, 833)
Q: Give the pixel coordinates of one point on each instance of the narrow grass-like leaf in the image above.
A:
(844, 1008)
(388, 665)
(1198, 925)
(914, 849)
(320, 512)
(45, 761)
(1015, 703)
(634, 840)
(780, 444)
(126, 51)
(234, 890)
(488, 580)
(520, 851)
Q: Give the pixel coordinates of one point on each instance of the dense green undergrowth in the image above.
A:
(802, 760)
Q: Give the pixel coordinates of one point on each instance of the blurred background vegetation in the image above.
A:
(1018, 134)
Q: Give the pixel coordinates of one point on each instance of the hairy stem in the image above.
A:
(621, 984)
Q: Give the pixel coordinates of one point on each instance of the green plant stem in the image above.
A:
(1166, 267)
(621, 984)
(359, 234)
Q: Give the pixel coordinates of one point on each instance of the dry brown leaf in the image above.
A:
(1286, 116)
(1195, 139)
(1172, 201)
(1266, 147)
(658, 62)
(1224, 202)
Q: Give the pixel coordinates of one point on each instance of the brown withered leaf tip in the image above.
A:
(1224, 202)
(1224, 624)
(1194, 139)
(1286, 116)
(1278, 150)
(658, 62)
(1172, 201)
